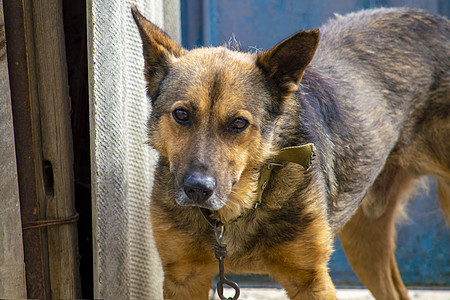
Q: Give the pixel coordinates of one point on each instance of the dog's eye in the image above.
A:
(180, 115)
(239, 124)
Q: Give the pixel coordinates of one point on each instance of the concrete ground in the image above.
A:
(342, 294)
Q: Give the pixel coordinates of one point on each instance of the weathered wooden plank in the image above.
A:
(12, 267)
(22, 90)
(56, 192)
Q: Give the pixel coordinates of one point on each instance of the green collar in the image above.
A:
(301, 155)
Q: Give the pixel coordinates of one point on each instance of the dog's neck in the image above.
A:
(301, 155)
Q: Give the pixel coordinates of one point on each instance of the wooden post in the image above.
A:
(57, 195)
(41, 109)
(12, 267)
(21, 92)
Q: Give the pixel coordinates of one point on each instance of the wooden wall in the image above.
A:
(42, 131)
(12, 266)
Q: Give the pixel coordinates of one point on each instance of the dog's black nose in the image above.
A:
(199, 187)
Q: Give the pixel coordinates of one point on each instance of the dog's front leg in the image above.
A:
(187, 272)
(185, 281)
(300, 266)
(307, 284)
(187, 264)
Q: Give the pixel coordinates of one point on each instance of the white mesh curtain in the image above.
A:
(126, 265)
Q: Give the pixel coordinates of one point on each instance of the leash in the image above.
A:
(301, 155)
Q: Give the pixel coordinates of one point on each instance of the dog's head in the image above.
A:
(214, 112)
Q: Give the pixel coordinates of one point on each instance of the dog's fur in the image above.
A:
(375, 101)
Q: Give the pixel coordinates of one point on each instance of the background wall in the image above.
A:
(263, 23)
(423, 241)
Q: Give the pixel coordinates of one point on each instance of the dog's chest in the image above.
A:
(244, 253)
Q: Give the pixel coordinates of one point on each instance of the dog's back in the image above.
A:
(388, 71)
(403, 53)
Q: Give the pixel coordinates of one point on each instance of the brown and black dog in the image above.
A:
(373, 96)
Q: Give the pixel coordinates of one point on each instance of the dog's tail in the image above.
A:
(444, 196)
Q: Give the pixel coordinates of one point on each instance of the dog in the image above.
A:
(366, 98)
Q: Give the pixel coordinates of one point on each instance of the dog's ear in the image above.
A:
(159, 50)
(285, 63)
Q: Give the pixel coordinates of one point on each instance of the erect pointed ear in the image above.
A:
(285, 63)
(159, 50)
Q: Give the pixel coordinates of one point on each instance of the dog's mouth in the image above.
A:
(212, 203)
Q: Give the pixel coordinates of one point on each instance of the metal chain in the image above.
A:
(221, 253)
